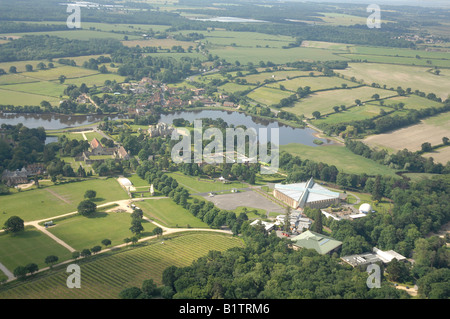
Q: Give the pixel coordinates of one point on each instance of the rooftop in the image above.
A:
(306, 192)
(311, 240)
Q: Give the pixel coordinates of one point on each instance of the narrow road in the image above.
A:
(8, 273)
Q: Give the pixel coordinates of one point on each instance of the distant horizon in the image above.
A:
(411, 3)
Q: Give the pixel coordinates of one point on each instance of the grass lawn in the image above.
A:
(35, 204)
(252, 213)
(96, 79)
(166, 212)
(104, 277)
(339, 156)
(29, 246)
(193, 185)
(86, 232)
(411, 102)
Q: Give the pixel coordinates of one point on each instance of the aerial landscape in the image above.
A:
(224, 150)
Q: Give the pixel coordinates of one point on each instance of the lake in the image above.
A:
(287, 134)
(51, 121)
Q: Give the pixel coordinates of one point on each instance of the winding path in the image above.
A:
(123, 205)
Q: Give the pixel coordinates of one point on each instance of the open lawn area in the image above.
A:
(29, 246)
(414, 77)
(10, 97)
(194, 185)
(168, 213)
(411, 102)
(35, 204)
(105, 277)
(339, 156)
(82, 232)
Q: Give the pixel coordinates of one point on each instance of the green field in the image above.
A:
(9, 97)
(56, 200)
(416, 78)
(268, 96)
(82, 232)
(77, 34)
(29, 246)
(104, 278)
(339, 156)
(250, 54)
(397, 60)
(325, 100)
(166, 212)
(193, 185)
(411, 102)
(352, 114)
(315, 83)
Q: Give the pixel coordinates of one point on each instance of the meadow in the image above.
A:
(325, 100)
(82, 232)
(315, 83)
(105, 275)
(355, 113)
(339, 156)
(46, 202)
(268, 96)
(169, 214)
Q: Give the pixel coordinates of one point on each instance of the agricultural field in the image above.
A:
(416, 78)
(29, 246)
(339, 156)
(411, 102)
(268, 96)
(77, 34)
(430, 130)
(168, 213)
(397, 60)
(163, 43)
(46, 202)
(315, 83)
(104, 276)
(325, 100)
(31, 88)
(356, 113)
(276, 55)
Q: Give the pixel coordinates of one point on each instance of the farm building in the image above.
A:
(309, 194)
(320, 243)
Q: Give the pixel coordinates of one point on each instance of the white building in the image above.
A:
(308, 194)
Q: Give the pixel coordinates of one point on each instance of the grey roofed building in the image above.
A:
(308, 194)
(375, 256)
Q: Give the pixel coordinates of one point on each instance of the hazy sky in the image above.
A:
(428, 3)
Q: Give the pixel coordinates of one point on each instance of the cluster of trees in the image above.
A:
(266, 268)
(404, 160)
(32, 47)
(204, 210)
(20, 146)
